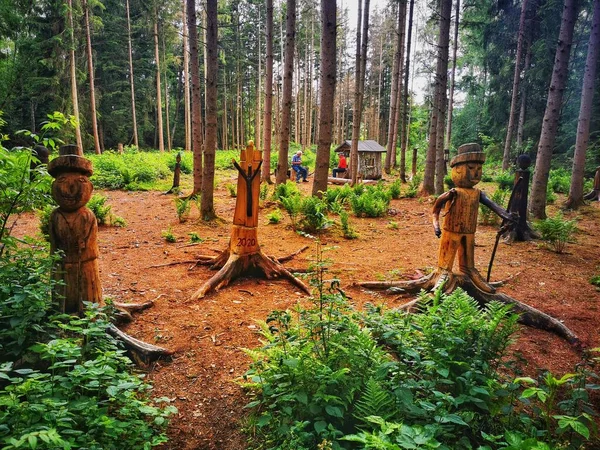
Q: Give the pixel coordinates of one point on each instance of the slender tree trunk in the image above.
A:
(167, 118)
(377, 131)
(207, 210)
(88, 39)
(74, 97)
(575, 198)
(186, 77)
(392, 125)
(537, 200)
(440, 166)
(433, 166)
(406, 106)
(197, 138)
(259, 88)
(522, 109)
(448, 141)
(159, 122)
(515, 88)
(328, 79)
(400, 90)
(361, 63)
(286, 105)
(266, 166)
(136, 141)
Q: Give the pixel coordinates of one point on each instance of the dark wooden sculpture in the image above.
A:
(460, 209)
(520, 231)
(244, 254)
(73, 230)
(594, 194)
(176, 175)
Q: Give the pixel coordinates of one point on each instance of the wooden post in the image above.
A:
(73, 232)
(243, 253)
(120, 148)
(176, 175)
(414, 162)
(521, 231)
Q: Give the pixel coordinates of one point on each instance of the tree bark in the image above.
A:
(328, 79)
(88, 41)
(361, 64)
(575, 199)
(159, 122)
(167, 118)
(136, 141)
(392, 124)
(400, 90)
(268, 121)
(406, 106)
(74, 97)
(286, 104)
(186, 76)
(197, 134)
(537, 203)
(523, 108)
(207, 209)
(448, 139)
(515, 88)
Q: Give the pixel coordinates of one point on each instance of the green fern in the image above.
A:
(374, 401)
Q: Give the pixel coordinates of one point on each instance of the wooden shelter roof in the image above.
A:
(363, 146)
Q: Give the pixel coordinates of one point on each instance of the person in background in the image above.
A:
(342, 165)
(300, 170)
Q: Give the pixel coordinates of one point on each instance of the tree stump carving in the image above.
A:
(176, 175)
(520, 231)
(73, 232)
(243, 254)
(594, 194)
(460, 207)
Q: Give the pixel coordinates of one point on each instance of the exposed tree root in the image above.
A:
(231, 265)
(449, 282)
(141, 352)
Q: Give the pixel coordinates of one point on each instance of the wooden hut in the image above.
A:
(369, 158)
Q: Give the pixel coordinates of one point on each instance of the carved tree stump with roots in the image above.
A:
(244, 256)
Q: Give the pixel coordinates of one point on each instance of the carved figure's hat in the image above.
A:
(468, 153)
(69, 161)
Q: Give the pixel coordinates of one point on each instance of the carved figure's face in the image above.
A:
(72, 190)
(466, 175)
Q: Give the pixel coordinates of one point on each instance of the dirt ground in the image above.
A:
(207, 335)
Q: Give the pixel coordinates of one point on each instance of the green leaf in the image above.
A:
(334, 411)
(32, 440)
(320, 426)
(452, 418)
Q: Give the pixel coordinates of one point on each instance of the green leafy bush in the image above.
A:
(559, 181)
(348, 231)
(100, 209)
(505, 180)
(285, 190)
(337, 197)
(131, 170)
(556, 231)
(395, 189)
(169, 236)
(183, 206)
(313, 215)
(486, 215)
(373, 201)
(275, 216)
(413, 186)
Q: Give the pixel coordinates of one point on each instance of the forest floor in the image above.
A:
(208, 335)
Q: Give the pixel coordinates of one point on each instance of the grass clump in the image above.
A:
(275, 216)
(169, 236)
(556, 231)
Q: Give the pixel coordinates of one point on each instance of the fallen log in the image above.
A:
(140, 352)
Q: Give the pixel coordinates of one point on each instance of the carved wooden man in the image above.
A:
(460, 209)
(73, 231)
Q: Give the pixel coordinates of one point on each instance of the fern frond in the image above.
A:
(374, 401)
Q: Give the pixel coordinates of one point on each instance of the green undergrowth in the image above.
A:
(330, 377)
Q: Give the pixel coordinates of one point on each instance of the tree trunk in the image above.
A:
(268, 122)
(406, 106)
(167, 118)
(159, 122)
(515, 88)
(522, 109)
(286, 104)
(258, 119)
(392, 125)
(328, 79)
(361, 63)
(136, 141)
(197, 138)
(537, 202)
(73, 77)
(186, 76)
(88, 39)
(448, 140)
(575, 198)
(400, 90)
(207, 209)
(435, 151)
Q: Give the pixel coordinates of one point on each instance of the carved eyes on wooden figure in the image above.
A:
(466, 175)
(71, 190)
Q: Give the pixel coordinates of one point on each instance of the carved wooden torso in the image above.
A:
(460, 214)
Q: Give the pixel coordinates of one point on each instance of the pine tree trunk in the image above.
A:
(575, 198)
(522, 109)
(266, 166)
(448, 140)
(327, 95)
(406, 107)
(400, 90)
(88, 39)
(167, 118)
(73, 77)
(186, 76)
(515, 88)
(361, 63)
(136, 141)
(286, 104)
(207, 209)
(392, 125)
(197, 138)
(159, 122)
(537, 199)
